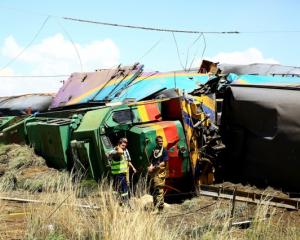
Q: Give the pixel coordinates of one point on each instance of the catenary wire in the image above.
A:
(34, 76)
(150, 49)
(177, 49)
(148, 28)
(27, 46)
(29, 12)
(189, 48)
(203, 51)
(73, 44)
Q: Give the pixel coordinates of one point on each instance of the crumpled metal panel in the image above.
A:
(151, 82)
(101, 85)
(121, 83)
(260, 69)
(261, 131)
(264, 80)
(25, 103)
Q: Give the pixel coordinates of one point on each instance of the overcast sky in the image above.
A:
(52, 51)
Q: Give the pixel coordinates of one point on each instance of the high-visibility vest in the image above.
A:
(118, 167)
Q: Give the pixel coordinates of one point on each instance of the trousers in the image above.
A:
(157, 188)
(120, 186)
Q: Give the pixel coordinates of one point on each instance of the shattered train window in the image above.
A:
(123, 116)
(106, 141)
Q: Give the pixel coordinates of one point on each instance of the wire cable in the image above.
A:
(147, 28)
(271, 31)
(29, 12)
(150, 49)
(26, 11)
(34, 76)
(27, 46)
(203, 51)
(179, 58)
(71, 40)
(188, 50)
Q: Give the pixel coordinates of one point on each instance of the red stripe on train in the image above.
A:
(153, 111)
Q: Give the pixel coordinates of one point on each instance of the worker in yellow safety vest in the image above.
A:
(128, 160)
(119, 168)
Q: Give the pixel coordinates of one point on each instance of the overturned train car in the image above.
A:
(82, 138)
(261, 130)
(226, 128)
(16, 108)
(93, 110)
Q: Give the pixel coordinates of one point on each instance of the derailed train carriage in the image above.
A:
(261, 130)
(216, 125)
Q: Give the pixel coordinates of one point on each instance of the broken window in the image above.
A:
(123, 116)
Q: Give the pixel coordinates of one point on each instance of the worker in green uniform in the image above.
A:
(157, 171)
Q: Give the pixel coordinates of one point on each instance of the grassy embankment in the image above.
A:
(24, 172)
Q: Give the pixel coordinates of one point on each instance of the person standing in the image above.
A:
(119, 168)
(128, 160)
(157, 171)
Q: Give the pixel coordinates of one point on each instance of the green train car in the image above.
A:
(81, 139)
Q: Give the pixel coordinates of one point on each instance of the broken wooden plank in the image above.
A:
(250, 197)
(23, 200)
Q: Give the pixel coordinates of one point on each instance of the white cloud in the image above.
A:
(53, 55)
(251, 55)
(6, 87)
(6, 72)
(11, 86)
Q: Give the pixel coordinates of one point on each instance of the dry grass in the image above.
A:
(20, 168)
(113, 221)
(65, 220)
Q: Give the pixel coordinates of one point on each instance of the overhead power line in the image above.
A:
(177, 49)
(73, 44)
(149, 28)
(150, 49)
(188, 50)
(28, 45)
(203, 51)
(34, 76)
(271, 31)
(29, 12)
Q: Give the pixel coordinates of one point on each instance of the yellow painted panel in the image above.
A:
(160, 132)
(143, 113)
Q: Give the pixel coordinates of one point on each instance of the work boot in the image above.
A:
(157, 211)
